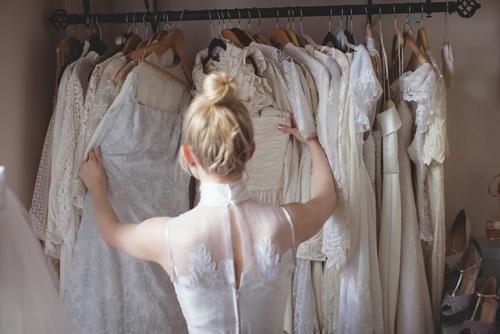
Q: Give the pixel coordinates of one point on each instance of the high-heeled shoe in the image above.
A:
(488, 300)
(461, 297)
(457, 240)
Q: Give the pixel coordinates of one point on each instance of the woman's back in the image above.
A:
(232, 260)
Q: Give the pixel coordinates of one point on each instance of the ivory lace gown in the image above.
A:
(360, 291)
(428, 150)
(214, 297)
(108, 291)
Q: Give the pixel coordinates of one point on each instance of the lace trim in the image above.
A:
(420, 86)
(204, 272)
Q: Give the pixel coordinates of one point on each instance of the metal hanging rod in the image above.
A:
(60, 19)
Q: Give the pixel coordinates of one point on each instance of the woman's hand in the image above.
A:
(92, 171)
(292, 130)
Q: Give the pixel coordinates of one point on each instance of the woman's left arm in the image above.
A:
(145, 241)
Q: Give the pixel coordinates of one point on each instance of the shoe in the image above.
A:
(488, 300)
(457, 240)
(461, 297)
(493, 229)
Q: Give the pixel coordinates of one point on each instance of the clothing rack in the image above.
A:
(60, 19)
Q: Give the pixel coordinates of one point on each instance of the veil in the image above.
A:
(29, 302)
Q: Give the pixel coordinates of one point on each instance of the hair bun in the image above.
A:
(219, 87)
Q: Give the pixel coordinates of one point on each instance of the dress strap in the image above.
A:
(169, 249)
(292, 227)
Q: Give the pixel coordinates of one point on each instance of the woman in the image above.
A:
(230, 258)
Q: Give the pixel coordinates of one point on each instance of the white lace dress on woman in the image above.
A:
(360, 292)
(214, 296)
(109, 291)
(414, 313)
(29, 302)
(389, 248)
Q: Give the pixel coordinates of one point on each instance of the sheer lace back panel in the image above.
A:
(203, 261)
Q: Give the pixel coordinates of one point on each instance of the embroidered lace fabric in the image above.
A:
(419, 86)
(40, 202)
(100, 95)
(143, 173)
(199, 243)
(62, 218)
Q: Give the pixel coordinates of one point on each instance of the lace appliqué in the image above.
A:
(204, 272)
(420, 86)
(364, 88)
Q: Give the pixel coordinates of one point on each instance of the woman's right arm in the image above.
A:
(308, 218)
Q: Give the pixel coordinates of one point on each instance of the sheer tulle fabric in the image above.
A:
(216, 297)
(29, 301)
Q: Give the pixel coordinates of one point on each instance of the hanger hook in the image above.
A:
(330, 20)
(239, 19)
(300, 21)
(145, 25)
(219, 23)
(180, 19)
(260, 18)
(409, 11)
(351, 25)
(210, 24)
(249, 20)
(229, 24)
(395, 19)
(288, 18)
(341, 18)
(128, 23)
(293, 18)
(277, 18)
(446, 23)
(99, 28)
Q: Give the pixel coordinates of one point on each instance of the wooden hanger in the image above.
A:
(261, 38)
(280, 37)
(173, 40)
(410, 41)
(369, 30)
(242, 36)
(293, 37)
(423, 39)
(230, 35)
(132, 43)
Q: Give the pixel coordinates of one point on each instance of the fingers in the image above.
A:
(98, 153)
(285, 128)
(92, 156)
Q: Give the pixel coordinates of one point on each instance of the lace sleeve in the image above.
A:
(364, 88)
(419, 86)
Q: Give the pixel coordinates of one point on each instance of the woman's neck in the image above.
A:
(224, 179)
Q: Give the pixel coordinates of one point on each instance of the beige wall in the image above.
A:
(26, 87)
(474, 100)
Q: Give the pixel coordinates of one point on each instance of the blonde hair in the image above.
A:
(218, 127)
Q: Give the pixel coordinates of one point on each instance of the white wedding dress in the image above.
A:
(29, 303)
(360, 296)
(215, 297)
(109, 291)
